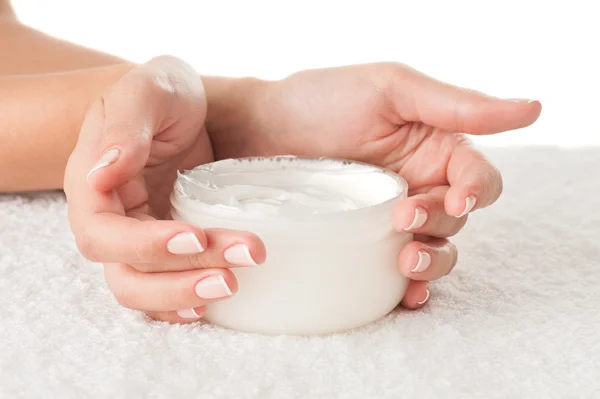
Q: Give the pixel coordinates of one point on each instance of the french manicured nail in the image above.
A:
(188, 314)
(427, 294)
(469, 204)
(521, 100)
(213, 287)
(239, 254)
(419, 220)
(108, 158)
(423, 262)
(184, 244)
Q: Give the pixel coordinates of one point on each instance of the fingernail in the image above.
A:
(189, 313)
(423, 262)
(108, 158)
(213, 287)
(184, 244)
(419, 220)
(521, 100)
(469, 204)
(426, 298)
(239, 254)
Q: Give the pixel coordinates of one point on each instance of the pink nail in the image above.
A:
(213, 287)
(188, 314)
(184, 244)
(423, 262)
(427, 294)
(108, 158)
(419, 219)
(239, 254)
(521, 100)
(469, 204)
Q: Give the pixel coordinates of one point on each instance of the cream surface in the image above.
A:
(285, 186)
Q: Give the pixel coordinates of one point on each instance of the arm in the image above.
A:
(24, 50)
(40, 116)
(46, 85)
(44, 94)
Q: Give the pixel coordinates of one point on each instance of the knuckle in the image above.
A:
(196, 262)
(437, 224)
(142, 251)
(393, 69)
(142, 85)
(155, 83)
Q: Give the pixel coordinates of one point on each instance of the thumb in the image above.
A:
(420, 98)
(118, 130)
(118, 154)
(119, 151)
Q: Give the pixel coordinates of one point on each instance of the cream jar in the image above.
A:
(332, 253)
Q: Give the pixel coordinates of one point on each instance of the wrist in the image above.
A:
(233, 105)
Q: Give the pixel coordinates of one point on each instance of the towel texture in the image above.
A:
(518, 317)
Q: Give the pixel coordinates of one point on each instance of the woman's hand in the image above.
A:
(393, 116)
(145, 128)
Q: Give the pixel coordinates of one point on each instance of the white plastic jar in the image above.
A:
(332, 253)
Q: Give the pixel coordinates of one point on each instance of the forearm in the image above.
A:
(41, 110)
(40, 117)
(24, 50)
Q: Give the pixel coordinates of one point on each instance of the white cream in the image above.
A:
(332, 252)
(285, 186)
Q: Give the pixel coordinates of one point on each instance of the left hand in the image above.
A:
(393, 116)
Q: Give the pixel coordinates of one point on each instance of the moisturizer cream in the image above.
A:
(332, 253)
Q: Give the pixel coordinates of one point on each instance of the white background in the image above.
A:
(546, 50)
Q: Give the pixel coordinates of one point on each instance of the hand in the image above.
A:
(145, 128)
(393, 116)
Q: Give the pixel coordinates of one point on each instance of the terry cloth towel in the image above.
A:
(519, 317)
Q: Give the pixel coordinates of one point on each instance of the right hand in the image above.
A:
(134, 139)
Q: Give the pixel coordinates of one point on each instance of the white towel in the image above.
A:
(519, 317)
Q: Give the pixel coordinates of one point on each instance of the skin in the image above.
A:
(58, 80)
(389, 115)
(161, 117)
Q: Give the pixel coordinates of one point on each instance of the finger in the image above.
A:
(170, 291)
(166, 245)
(426, 261)
(417, 295)
(425, 214)
(144, 104)
(180, 316)
(420, 98)
(226, 248)
(474, 182)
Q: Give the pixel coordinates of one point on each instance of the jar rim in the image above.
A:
(399, 180)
